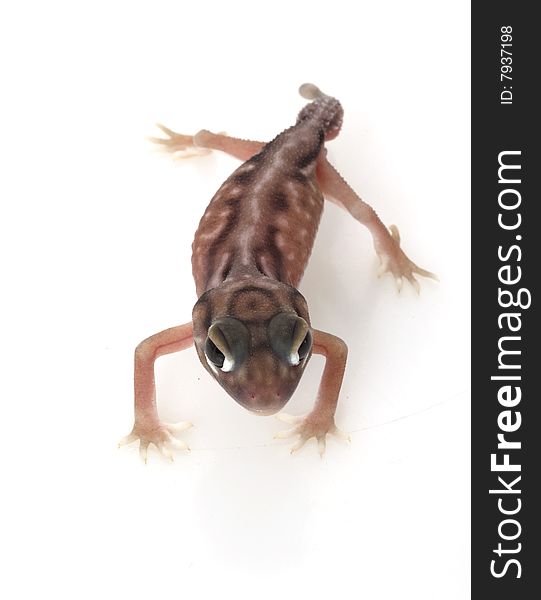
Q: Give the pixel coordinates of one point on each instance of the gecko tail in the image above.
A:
(326, 111)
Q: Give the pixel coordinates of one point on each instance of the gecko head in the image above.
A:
(255, 340)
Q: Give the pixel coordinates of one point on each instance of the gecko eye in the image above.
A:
(306, 346)
(290, 337)
(226, 345)
(215, 356)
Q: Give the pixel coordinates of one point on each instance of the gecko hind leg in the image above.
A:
(203, 142)
(386, 240)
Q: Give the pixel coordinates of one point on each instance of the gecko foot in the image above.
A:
(161, 435)
(309, 426)
(394, 261)
(182, 146)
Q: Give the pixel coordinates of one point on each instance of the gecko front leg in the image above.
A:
(386, 241)
(320, 421)
(148, 428)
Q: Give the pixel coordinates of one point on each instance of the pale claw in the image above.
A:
(341, 435)
(128, 439)
(178, 444)
(321, 445)
(178, 427)
(308, 427)
(161, 435)
(165, 452)
(285, 434)
(384, 263)
(143, 449)
(414, 283)
(170, 133)
(291, 419)
(296, 447)
(395, 233)
(394, 261)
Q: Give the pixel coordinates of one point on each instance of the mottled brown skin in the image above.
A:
(264, 218)
(249, 253)
(250, 325)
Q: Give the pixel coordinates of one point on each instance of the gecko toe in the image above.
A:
(178, 444)
(178, 427)
(425, 273)
(414, 283)
(286, 433)
(165, 451)
(341, 435)
(321, 444)
(143, 450)
(395, 233)
(128, 439)
(291, 419)
(296, 447)
(166, 130)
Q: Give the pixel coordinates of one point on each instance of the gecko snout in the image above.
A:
(266, 390)
(264, 403)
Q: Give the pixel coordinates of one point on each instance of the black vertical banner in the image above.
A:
(506, 246)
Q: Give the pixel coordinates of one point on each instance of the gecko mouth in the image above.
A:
(263, 405)
(265, 412)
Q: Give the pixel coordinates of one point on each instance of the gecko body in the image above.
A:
(250, 325)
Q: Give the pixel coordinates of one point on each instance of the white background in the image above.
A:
(95, 241)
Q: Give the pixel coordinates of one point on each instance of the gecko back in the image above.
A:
(264, 218)
(251, 325)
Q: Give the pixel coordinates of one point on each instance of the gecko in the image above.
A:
(250, 325)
